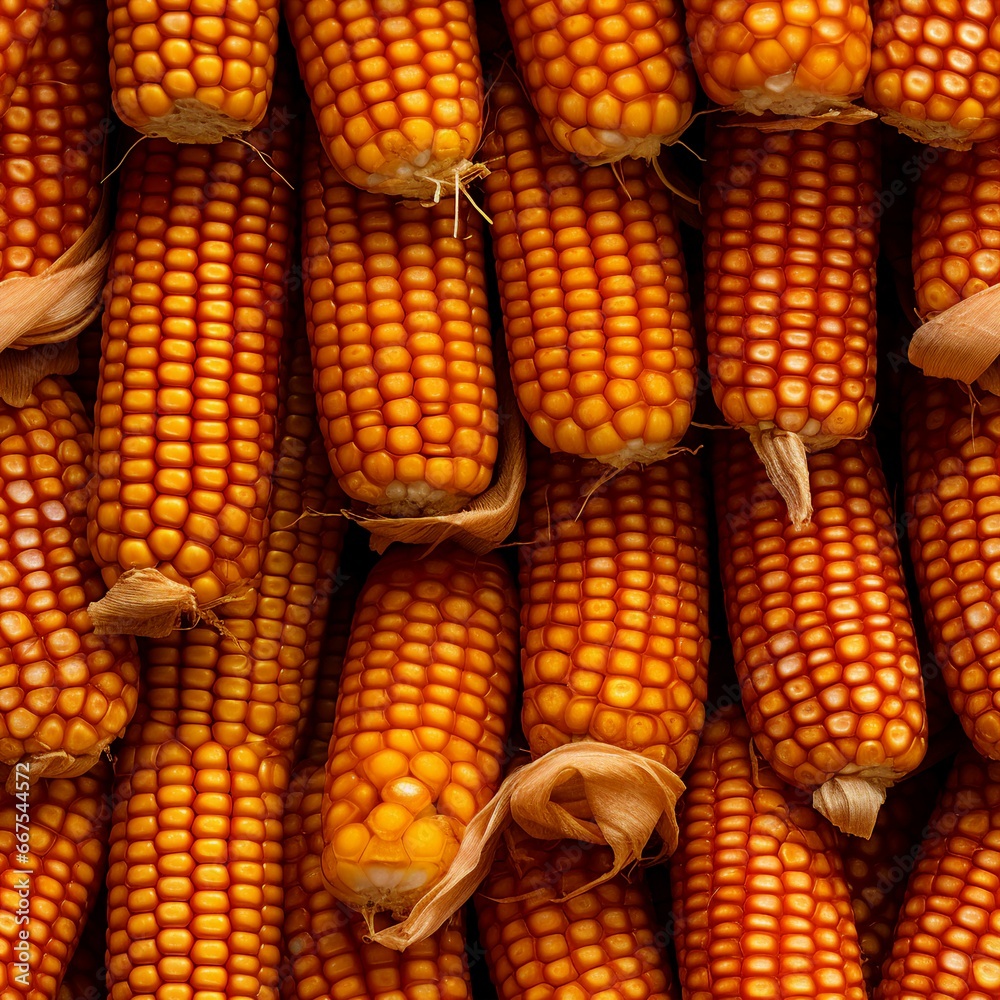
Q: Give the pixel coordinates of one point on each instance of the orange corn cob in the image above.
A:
(935, 71)
(876, 868)
(761, 908)
(189, 372)
(398, 320)
(195, 881)
(945, 943)
(790, 250)
(20, 24)
(52, 140)
(614, 607)
(396, 89)
(821, 628)
(608, 80)
(192, 71)
(956, 232)
(594, 294)
(952, 486)
(324, 940)
(85, 977)
(426, 697)
(600, 943)
(789, 58)
(52, 861)
(66, 692)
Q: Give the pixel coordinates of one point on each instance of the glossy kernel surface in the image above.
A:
(594, 294)
(819, 618)
(614, 607)
(790, 248)
(426, 697)
(398, 320)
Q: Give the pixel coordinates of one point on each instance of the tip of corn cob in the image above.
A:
(932, 133)
(779, 95)
(851, 802)
(192, 121)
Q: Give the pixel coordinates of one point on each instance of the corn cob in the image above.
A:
(608, 80)
(195, 881)
(594, 294)
(187, 396)
(85, 977)
(323, 938)
(821, 629)
(935, 71)
(951, 488)
(789, 58)
(67, 692)
(396, 89)
(614, 607)
(790, 249)
(602, 942)
(945, 944)
(52, 861)
(20, 24)
(761, 908)
(426, 697)
(956, 235)
(192, 71)
(876, 868)
(398, 321)
(52, 140)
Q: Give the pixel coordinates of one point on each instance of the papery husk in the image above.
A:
(145, 602)
(21, 371)
(490, 517)
(849, 114)
(961, 342)
(851, 802)
(55, 305)
(784, 455)
(48, 764)
(585, 791)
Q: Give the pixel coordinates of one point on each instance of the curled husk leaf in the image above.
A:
(55, 305)
(591, 792)
(490, 517)
(21, 371)
(851, 802)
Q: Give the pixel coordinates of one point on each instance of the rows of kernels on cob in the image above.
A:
(594, 294)
(820, 622)
(614, 606)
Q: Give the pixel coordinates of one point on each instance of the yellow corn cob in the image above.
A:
(187, 396)
(195, 883)
(425, 702)
(67, 692)
(397, 316)
(596, 944)
(396, 89)
(614, 610)
(192, 71)
(791, 58)
(594, 294)
(324, 940)
(609, 79)
(53, 854)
